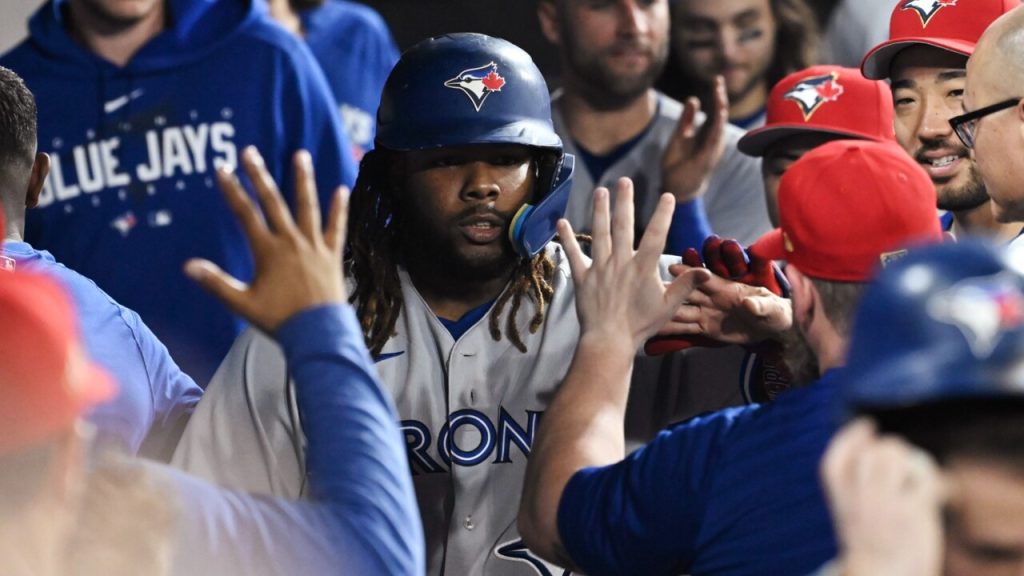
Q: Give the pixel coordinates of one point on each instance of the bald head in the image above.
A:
(995, 86)
(998, 58)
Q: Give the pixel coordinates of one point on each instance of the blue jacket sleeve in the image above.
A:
(643, 515)
(356, 460)
(689, 227)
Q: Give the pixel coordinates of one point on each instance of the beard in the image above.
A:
(968, 196)
(605, 88)
(799, 357)
(424, 240)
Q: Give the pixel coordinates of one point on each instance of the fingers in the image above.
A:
(622, 238)
(307, 204)
(840, 458)
(249, 217)
(713, 256)
(683, 285)
(601, 241)
(686, 127)
(713, 129)
(652, 244)
(220, 284)
(273, 205)
(577, 263)
(692, 259)
(734, 257)
(773, 312)
(337, 221)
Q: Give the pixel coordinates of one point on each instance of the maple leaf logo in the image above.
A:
(810, 93)
(830, 91)
(493, 81)
(478, 83)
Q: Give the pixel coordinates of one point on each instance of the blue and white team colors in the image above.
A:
(132, 192)
(356, 51)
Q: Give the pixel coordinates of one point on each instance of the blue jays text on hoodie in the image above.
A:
(132, 193)
(356, 51)
(155, 398)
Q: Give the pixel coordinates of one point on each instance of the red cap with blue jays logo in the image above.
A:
(824, 100)
(952, 25)
(849, 206)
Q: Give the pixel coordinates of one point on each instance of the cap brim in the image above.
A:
(755, 142)
(877, 62)
(771, 246)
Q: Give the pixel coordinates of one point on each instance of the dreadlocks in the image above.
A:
(374, 255)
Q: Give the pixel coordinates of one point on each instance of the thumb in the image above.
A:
(683, 285)
(219, 283)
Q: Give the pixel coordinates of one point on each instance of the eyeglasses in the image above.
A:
(965, 124)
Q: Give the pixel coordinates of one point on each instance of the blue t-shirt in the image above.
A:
(356, 51)
(132, 191)
(155, 397)
(730, 493)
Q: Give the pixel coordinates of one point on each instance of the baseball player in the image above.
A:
(925, 60)
(930, 480)
(156, 397)
(63, 512)
(610, 116)
(735, 491)
(466, 307)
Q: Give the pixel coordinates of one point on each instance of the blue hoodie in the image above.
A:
(354, 47)
(132, 192)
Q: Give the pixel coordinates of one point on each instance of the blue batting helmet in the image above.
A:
(466, 89)
(946, 322)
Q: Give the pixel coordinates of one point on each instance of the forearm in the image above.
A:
(583, 427)
(355, 461)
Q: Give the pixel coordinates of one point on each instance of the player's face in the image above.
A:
(734, 38)
(985, 520)
(459, 202)
(616, 48)
(778, 158)
(928, 90)
(120, 13)
(997, 142)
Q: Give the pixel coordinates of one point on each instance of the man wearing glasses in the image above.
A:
(993, 126)
(925, 59)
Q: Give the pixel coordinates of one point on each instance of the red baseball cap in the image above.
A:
(46, 380)
(826, 100)
(848, 206)
(953, 25)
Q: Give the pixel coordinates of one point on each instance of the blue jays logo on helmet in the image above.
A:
(810, 93)
(926, 8)
(982, 308)
(478, 83)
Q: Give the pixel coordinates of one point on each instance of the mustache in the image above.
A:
(952, 144)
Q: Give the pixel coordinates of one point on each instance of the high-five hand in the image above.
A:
(297, 265)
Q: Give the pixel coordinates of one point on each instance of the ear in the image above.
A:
(40, 170)
(547, 13)
(804, 297)
(1020, 116)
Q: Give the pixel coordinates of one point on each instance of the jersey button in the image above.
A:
(468, 523)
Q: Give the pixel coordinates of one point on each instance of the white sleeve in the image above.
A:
(245, 434)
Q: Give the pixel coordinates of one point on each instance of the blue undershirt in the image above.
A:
(459, 327)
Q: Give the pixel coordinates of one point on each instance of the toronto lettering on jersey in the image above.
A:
(171, 152)
(454, 446)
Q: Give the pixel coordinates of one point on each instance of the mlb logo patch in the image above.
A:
(926, 9)
(888, 258)
(810, 93)
(478, 83)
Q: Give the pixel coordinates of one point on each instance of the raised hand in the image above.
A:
(886, 498)
(297, 266)
(620, 294)
(693, 153)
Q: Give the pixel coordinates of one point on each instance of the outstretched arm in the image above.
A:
(621, 300)
(356, 461)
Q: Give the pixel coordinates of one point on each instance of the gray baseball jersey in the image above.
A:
(469, 410)
(734, 200)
